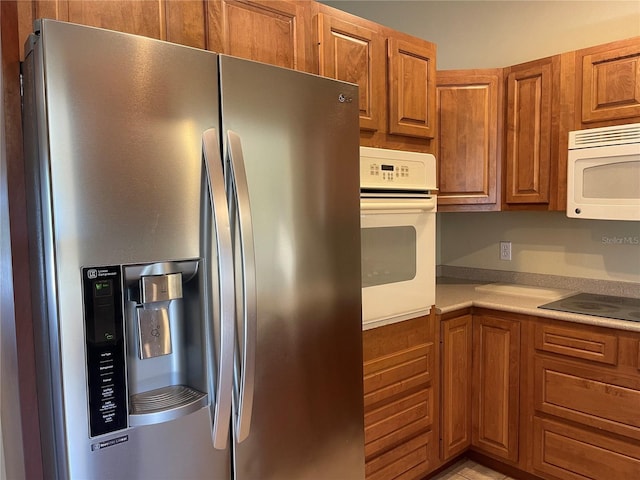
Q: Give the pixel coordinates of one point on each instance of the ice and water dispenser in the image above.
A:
(145, 338)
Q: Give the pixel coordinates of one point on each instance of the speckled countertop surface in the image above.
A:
(454, 294)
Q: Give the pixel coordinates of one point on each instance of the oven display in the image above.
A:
(387, 168)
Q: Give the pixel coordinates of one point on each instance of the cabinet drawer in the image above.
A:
(577, 343)
(575, 454)
(408, 461)
(600, 399)
(396, 421)
(394, 374)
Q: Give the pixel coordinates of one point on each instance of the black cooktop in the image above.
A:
(622, 308)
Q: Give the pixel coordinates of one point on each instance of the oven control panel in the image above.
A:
(382, 169)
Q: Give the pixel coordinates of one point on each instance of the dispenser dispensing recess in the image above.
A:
(154, 329)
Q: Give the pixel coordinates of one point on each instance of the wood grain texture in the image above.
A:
(399, 399)
(609, 82)
(352, 49)
(456, 382)
(578, 342)
(593, 397)
(496, 380)
(528, 133)
(275, 32)
(468, 144)
(566, 452)
(411, 73)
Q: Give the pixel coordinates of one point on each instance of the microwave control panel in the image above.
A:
(394, 170)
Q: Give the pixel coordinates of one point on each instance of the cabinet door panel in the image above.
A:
(578, 343)
(272, 32)
(186, 23)
(468, 105)
(398, 373)
(393, 423)
(575, 454)
(143, 17)
(411, 76)
(528, 135)
(408, 461)
(496, 365)
(354, 53)
(586, 395)
(456, 386)
(611, 84)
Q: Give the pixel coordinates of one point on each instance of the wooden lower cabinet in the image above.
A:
(566, 452)
(399, 363)
(496, 382)
(549, 399)
(455, 385)
(585, 394)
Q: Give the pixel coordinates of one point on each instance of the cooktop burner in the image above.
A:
(622, 308)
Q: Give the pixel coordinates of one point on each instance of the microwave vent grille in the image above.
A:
(606, 136)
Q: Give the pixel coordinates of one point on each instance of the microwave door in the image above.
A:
(604, 183)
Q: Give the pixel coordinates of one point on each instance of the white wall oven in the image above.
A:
(397, 214)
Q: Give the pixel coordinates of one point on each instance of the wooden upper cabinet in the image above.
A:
(411, 73)
(528, 132)
(469, 111)
(352, 49)
(138, 17)
(273, 32)
(609, 80)
(185, 23)
(178, 22)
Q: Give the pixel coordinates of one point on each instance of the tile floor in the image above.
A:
(469, 470)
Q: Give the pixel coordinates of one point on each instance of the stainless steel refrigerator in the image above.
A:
(195, 260)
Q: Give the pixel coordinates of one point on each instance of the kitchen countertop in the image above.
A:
(455, 294)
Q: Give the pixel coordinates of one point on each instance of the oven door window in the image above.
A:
(388, 255)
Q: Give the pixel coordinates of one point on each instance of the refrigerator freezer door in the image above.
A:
(120, 126)
(300, 147)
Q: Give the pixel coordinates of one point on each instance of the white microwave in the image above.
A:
(603, 173)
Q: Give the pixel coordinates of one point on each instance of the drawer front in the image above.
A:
(600, 399)
(575, 454)
(395, 374)
(408, 461)
(397, 421)
(577, 343)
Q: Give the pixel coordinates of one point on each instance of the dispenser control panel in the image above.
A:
(105, 348)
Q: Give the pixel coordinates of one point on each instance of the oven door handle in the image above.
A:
(428, 204)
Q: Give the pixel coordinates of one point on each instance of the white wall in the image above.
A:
(486, 34)
(543, 242)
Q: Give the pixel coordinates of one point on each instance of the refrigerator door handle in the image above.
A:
(222, 384)
(248, 331)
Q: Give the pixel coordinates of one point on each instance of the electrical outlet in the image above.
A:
(505, 250)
